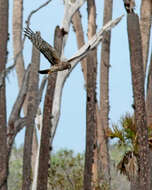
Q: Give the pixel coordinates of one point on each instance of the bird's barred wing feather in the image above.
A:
(46, 49)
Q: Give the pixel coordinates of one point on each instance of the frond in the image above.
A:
(128, 165)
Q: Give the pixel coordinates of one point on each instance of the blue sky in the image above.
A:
(71, 129)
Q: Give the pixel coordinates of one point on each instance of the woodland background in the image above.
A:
(33, 103)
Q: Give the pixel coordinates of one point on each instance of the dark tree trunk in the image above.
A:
(31, 112)
(47, 125)
(3, 59)
(149, 106)
(149, 95)
(91, 118)
(137, 71)
(104, 96)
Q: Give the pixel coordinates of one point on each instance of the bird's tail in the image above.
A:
(46, 71)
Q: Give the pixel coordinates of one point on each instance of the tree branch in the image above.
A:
(70, 9)
(79, 55)
(36, 10)
(21, 97)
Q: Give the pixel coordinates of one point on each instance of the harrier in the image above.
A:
(48, 51)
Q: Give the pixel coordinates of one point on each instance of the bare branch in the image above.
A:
(36, 10)
(4, 74)
(70, 9)
(17, 126)
(21, 97)
(93, 42)
(80, 54)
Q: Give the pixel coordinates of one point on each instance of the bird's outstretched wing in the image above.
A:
(46, 49)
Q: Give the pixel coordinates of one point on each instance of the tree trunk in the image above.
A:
(145, 27)
(149, 95)
(34, 150)
(47, 116)
(3, 60)
(149, 106)
(31, 112)
(17, 39)
(137, 71)
(104, 95)
(77, 25)
(18, 54)
(90, 174)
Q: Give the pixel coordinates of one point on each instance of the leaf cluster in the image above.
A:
(126, 132)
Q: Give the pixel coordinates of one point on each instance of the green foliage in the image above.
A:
(126, 133)
(66, 171)
(15, 169)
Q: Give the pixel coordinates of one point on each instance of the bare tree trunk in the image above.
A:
(31, 112)
(145, 27)
(17, 38)
(149, 106)
(149, 94)
(47, 123)
(90, 174)
(34, 150)
(45, 137)
(77, 25)
(3, 60)
(104, 94)
(18, 55)
(137, 71)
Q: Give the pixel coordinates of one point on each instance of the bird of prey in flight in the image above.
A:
(48, 51)
(129, 5)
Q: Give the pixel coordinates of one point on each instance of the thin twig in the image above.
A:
(34, 11)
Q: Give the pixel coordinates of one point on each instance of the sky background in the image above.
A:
(71, 129)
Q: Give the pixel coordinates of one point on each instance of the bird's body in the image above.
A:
(48, 51)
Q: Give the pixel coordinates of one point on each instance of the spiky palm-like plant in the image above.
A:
(126, 134)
